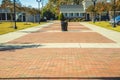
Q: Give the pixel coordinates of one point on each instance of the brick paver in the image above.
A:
(63, 37)
(60, 63)
(53, 34)
(71, 27)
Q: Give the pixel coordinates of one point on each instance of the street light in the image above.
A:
(15, 27)
(114, 14)
(94, 3)
(0, 15)
(39, 8)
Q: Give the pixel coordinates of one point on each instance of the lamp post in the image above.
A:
(94, 3)
(114, 13)
(0, 18)
(15, 27)
(39, 8)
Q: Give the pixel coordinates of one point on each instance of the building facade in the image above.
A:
(72, 11)
(7, 15)
(78, 11)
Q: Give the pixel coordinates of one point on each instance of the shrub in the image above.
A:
(61, 17)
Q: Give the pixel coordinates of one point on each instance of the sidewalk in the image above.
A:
(83, 37)
(14, 35)
(113, 35)
(83, 52)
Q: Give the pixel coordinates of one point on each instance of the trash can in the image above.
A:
(64, 25)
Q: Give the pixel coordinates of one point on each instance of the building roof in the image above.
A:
(4, 10)
(71, 8)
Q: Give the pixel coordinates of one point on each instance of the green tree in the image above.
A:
(61, 17)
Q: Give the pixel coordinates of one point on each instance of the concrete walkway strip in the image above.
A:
(79, 45)
(69, 31)
(61, 45)
(113, 35)
(99, 45)
(13, 35)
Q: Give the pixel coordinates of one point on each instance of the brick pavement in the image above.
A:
(60, 63)
(53, 34)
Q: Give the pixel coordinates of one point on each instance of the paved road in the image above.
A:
(83, 52)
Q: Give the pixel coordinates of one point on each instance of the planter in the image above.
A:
(64, 25)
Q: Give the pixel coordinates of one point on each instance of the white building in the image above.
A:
(7, 15)
(71, 11)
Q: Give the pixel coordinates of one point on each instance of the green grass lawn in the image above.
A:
(6, 27)
(107, 25)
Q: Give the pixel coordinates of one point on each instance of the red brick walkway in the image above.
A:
(61, 63)
(52, 34)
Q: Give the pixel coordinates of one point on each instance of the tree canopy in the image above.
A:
(104, 7)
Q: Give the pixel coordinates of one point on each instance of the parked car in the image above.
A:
(117, 20)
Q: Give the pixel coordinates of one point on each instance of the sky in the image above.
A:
(32, 3)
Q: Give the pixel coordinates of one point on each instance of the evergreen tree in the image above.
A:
(61, 17)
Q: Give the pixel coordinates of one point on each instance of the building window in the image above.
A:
(9, 16)
(2, 16)
(65, 14)
(71, 14)
(81, 14)
(77, 14)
